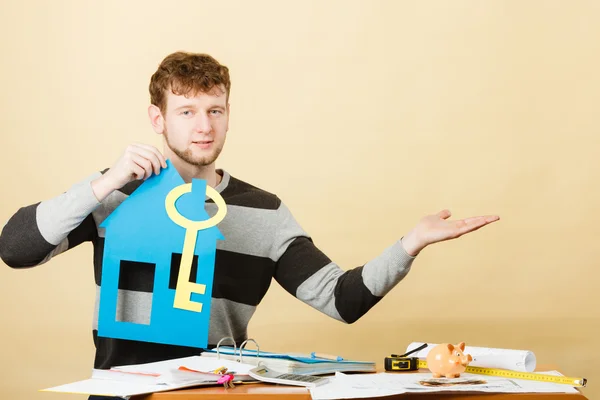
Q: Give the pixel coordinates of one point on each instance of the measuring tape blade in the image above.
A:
(520, 375)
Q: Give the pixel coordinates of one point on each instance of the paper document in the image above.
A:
(130, 380)
(169, 370)
(386, 384)
(124, 389)
(487, 357)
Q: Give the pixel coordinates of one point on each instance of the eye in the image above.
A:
(214, 112)
(186, 113)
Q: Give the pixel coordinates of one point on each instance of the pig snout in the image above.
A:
(465, 360)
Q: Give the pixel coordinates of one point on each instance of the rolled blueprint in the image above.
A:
(516, 360)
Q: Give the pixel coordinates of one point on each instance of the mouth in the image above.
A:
(203, 144)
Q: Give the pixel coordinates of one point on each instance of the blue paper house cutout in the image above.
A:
(140, 232)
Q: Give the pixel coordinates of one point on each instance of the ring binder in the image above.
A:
(292, 363)
(219, 344)
(243, 345)
(235, 349)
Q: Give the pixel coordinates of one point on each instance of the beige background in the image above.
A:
(363, 116)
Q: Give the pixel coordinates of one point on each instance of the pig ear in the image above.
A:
(461, 346)
(450, 347)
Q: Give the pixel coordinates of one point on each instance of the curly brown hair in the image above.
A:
(187, 74)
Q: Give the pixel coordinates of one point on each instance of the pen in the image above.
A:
(325, 356)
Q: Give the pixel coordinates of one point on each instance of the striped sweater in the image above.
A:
(262, 241)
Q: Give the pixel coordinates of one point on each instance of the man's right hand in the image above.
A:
(139, 161)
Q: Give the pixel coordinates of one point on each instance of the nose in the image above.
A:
(202, 123)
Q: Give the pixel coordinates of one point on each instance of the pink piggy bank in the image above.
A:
(446, 360)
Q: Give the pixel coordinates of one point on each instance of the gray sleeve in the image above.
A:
(307, 273)
(36, 233)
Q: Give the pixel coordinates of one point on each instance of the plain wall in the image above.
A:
(363, 116)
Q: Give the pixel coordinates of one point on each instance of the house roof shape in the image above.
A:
(140, 225)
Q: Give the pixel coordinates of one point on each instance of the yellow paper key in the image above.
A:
(185, 288)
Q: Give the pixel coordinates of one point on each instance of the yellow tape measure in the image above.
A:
(504, 373)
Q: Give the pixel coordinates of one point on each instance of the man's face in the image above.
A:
(195, 128)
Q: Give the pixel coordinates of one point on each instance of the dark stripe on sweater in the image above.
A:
(21, 243)
(86, 231)
(239, 193)
(353, 306)
(299, 262)
(233, 268)
(113, 352)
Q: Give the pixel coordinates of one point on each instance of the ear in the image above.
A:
(450, 347)
(156, 119)
(461, 346)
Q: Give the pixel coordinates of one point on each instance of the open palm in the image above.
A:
(437, 228)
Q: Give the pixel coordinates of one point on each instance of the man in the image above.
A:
(189, 107)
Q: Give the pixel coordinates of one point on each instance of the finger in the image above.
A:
(444, 214)
(159, 155)
(144, 163)
(474, 223)
(487, 218)
(149, 155)
(137, 172)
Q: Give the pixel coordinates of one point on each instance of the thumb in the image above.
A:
(444, 214)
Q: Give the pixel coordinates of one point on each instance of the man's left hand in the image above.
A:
(437, 228)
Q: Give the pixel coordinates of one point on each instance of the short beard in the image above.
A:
(186, 155)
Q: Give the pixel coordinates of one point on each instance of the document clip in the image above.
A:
(401, 362)
(227, 379)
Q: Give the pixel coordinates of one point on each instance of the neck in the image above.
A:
(189, 172)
